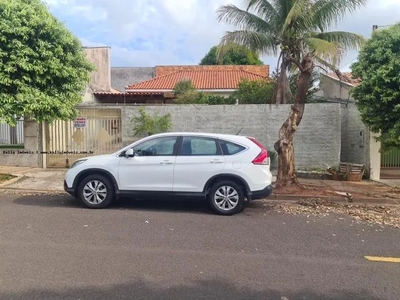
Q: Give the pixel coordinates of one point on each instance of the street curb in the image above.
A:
(32, 191)
(19, 177)
(277, 198)
(369, 201)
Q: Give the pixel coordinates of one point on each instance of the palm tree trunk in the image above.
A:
(284, 146)
(282, 92)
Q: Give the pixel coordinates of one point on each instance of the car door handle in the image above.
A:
(166, 162)
(216, 161)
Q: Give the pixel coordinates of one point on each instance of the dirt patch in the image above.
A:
(326, 188)
(6, 177)
(380, 215)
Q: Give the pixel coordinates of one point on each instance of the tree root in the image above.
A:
(289, 183)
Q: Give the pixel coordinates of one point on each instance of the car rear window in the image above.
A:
(229, 148)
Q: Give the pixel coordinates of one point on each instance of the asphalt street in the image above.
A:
(53, 248)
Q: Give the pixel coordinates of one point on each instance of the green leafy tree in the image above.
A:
(231, 54)
(186, 93)
(378, 95)
(183, 87)
(254, 91)
(146, 124)
(296, 31)
(43, 68)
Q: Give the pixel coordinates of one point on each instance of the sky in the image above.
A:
(145, 33)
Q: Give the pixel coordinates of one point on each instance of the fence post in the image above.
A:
(44, 145)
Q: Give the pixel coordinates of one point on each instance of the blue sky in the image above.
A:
(143, 33)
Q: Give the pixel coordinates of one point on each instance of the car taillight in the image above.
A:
(262, 158)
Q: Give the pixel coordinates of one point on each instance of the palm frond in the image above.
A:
(297, 19)
(242, 19)
(330, 12)
(258, 42)
(326, 64)
(325, 50)
(346, 40)
(262, 8)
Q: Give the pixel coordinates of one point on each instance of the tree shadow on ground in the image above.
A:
(205, 289)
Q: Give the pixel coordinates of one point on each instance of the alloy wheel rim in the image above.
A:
(226, 198)
(94, 192)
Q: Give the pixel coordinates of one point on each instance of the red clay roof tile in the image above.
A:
(346, 77)
(202, 80)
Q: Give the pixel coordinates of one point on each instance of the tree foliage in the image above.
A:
(231, 54)
(298, 32)
(254, 91)
(378, 95)
(43, 68)
(146, 124)
(186, 93)
(313, 87)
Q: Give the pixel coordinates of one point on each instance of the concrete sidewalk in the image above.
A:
(51, 181)
(33, 179)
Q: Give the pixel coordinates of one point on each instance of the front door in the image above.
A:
(152, 167)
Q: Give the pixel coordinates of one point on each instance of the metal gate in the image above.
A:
(96, 131)
(391, 159)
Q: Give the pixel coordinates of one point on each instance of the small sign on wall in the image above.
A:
(80, 122)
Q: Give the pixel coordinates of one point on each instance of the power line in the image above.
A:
(354, 59)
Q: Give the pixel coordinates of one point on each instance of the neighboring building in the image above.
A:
(334, 88)
(358, 144)
(216, 80)
(154, 85)
(121, 77)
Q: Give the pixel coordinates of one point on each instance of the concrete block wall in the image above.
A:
(317, 141)
(355, 136)
(329, 132)
(30, 155)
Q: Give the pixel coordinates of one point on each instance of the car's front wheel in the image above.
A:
(226, 198)
(96, 191)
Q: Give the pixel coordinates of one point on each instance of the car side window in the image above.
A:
(192, 146)
(229, 148)
(162, 146)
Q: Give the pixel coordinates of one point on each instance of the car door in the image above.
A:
(152, 167)
(198, 160)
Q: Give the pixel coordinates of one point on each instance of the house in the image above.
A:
(154, 85)
(382, 165)
(329, 133)
(216, 80)
(335, 88)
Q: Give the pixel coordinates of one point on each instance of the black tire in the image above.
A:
(102, 181)
(226, 188)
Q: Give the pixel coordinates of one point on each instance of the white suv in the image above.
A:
(224, 169)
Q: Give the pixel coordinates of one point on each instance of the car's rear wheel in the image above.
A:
(226, 198)
(96, 191)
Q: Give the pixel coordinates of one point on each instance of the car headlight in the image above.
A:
(78, 162)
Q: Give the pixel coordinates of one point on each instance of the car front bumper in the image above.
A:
(69, 190)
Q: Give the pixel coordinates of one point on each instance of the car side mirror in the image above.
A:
(129, 153)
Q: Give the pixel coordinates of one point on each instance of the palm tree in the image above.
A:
(296, 31)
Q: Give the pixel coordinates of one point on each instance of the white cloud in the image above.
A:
(149, 32)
